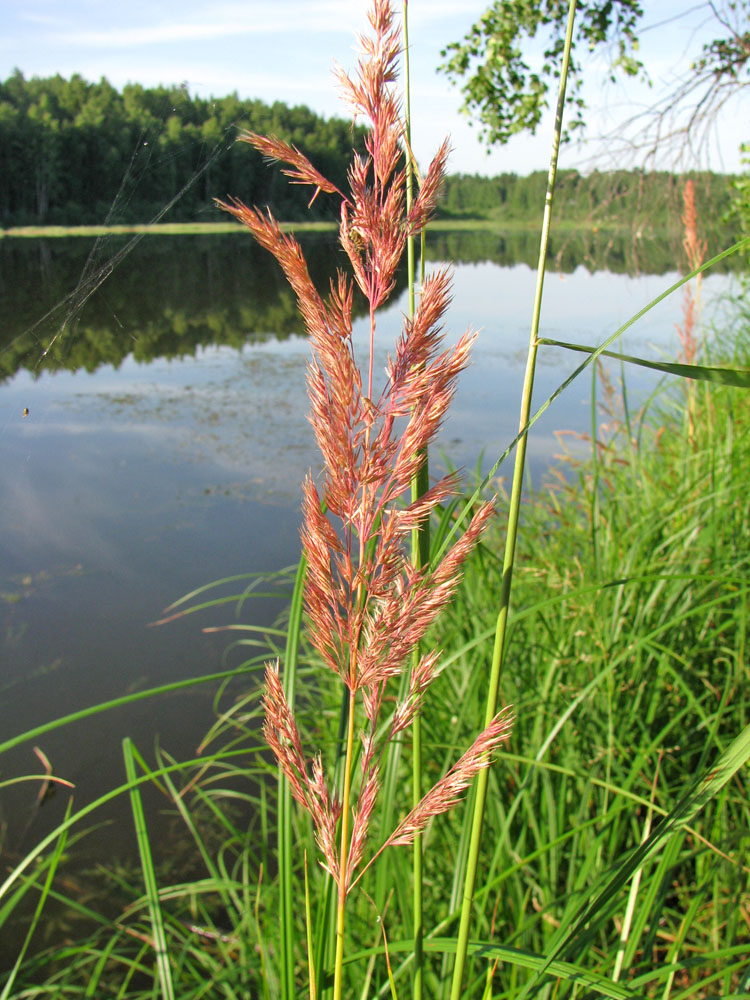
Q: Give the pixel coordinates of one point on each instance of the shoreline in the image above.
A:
(150, 229)
(212, 228)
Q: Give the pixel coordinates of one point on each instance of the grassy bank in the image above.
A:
(444, 223)
(155, 229)
(627, 664)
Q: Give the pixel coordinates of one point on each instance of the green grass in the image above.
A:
(627, 666)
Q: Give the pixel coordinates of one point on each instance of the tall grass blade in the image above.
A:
(313, 991)
(104, 958)
(737, 377)
(161, 949)
(391, 980)
(702, 790)
(627, 922)
(512, 530)
(284, 829)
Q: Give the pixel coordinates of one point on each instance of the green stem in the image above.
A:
(512, 533)
(409, 164)
(284, 832)
(338, 967)
(420, 548)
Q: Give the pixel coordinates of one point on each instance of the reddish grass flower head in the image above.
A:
(367, 606)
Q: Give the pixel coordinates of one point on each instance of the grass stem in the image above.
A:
(420, 549)
(344, 854)
(512, 530)
(284, 831)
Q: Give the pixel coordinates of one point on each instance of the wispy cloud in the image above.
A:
(228, 20)
(48, 19)
(205, 22)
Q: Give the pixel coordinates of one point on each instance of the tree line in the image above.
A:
(643, 201)
(74, 152)
(78, 152)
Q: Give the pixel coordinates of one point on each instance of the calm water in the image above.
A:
(166, 437)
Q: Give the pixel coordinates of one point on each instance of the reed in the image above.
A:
(367, 604)
(512, 529)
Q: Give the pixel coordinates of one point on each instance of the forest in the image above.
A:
(74, 152)
(642, 200)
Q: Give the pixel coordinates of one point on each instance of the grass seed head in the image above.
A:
(367, 607)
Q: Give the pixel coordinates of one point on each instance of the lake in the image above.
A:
(153, 437)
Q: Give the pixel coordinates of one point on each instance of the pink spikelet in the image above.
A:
(282, 736)
(367, 608)
(446, 793)
(695, 253)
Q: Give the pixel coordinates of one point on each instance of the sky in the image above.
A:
(285, 50)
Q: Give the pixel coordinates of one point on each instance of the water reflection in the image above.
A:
(173, 295)
(166, 299)
(166, 438)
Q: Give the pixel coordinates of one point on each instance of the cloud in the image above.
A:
(166, 33)
(204, 23)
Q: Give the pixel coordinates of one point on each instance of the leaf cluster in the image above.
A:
(509, 60)
(505, 89)
(729, 56)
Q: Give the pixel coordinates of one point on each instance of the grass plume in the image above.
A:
(695, 253)
(367, 606)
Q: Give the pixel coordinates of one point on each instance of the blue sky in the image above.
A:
(284, 50)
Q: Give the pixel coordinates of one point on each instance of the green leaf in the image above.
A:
(700, 792)
(738, 377)
(149, 874)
